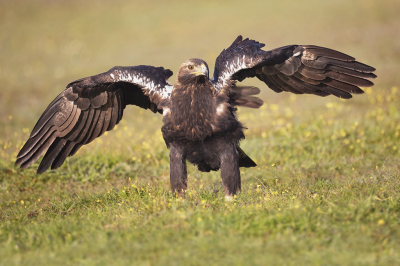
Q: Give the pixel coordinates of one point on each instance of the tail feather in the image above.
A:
(244, 160)
(241, 96)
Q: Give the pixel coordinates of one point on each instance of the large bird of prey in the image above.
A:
(200, 125)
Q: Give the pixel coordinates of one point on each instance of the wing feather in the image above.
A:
(271, 83)
(62, 155)
(80, 124)
(351, 72)
(86, 126)
(114, 113)
(297, 84)
(349, 79)
(311, 73)
(90, 106)
(75, 149)
(295, 68)
(322, 62)
(35, 153)
(51, 113)
(107, 118)
(120, 106)
(71, 117)
(32, 145)
(52, 152)
(342, 86)
(93, 124)
(283, 81)
(305, 79)
(337, 93)
(329, 53)
(98, 126)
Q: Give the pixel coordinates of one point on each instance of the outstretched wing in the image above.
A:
(89, 107)
(295, 68)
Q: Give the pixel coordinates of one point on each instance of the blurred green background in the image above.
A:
(46, 44)
(327, 187)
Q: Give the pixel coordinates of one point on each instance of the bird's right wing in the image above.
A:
(90, 106)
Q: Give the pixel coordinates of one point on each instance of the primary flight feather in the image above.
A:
(199, 113)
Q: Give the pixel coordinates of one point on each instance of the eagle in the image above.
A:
(199, 114)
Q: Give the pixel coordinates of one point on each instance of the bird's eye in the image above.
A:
(191, 67)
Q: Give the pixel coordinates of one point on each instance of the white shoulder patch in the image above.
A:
(232, 67)
(166, 92)
(145, 82)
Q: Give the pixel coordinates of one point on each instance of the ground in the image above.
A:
(326, 190)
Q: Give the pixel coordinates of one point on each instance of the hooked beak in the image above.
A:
(202, 72)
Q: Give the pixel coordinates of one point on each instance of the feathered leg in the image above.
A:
(178, 172)
(230, 173)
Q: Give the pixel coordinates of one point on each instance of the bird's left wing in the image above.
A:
(90, 106)
(295, 68)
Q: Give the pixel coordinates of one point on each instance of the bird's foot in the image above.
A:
(228, 198)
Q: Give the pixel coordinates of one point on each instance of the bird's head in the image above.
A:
(193, 69)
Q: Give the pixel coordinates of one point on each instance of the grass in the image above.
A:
(326, 190)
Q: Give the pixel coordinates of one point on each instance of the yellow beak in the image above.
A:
(203, 71)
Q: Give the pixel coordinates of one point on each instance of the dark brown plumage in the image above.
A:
(199, 113)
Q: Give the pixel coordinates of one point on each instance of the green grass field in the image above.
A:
(327, 187)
